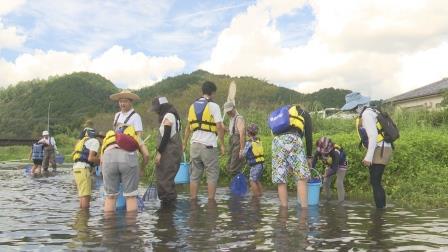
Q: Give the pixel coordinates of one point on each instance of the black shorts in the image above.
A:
(37, 161)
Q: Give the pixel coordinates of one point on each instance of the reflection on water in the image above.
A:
(42, 214)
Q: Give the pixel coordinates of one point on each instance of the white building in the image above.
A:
(427, 97)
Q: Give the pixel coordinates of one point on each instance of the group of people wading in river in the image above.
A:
(119, 149)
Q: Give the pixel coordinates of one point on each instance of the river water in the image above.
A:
(41, 214)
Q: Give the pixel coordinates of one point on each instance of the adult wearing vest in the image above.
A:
(85, 157)
(206, 127)
(169, 150)
(127, 114)
(119, 159)
(50, 150)
(237, 138)
(378, 152)
(289, 157)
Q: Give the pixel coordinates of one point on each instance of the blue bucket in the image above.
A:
(121, 200)
(59, 159)
(183, 174)
(313, 193)
(98, 171)
(314, 185)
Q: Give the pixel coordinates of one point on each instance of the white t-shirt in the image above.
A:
(205, 137)
(92, 145)
(135, 119)
(172, 119)
(369, 120)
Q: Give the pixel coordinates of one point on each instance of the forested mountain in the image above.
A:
(78, 96)
(73, 97)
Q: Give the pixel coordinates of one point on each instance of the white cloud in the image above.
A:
(10, 37)
(10, 5)
(381, 48)
(121, 66)
(135, 70)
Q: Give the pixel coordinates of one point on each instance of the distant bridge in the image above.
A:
(11, 142)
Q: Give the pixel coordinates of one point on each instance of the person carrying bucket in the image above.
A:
(85, 156)
(236, 139)
(372, 136)
(205, 123)
(290, 124)
(169, 149)
(335, 161)
(119, 162)
(253, 151)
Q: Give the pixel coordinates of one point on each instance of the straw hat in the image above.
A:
(125, 94)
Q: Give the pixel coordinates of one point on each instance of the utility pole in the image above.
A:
(48, 117)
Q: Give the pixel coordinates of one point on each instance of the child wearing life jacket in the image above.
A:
(37, 155)
(335, 161)
(253, 151)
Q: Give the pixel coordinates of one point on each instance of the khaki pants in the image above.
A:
(384, 157)
(204, 158)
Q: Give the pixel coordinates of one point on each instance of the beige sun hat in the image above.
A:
(229, 106)
(125, 94)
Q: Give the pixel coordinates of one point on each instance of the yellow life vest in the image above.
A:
(296, 120)
(362, 134)
(255, 154)
(81, 153)
(111, 138)
(200, 116)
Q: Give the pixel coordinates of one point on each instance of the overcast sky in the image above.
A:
(380, 48)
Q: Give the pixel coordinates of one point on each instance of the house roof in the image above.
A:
(431, 89)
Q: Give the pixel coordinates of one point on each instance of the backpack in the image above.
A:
(283, 118)
(389, 129)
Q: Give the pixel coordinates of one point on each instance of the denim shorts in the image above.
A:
(256, 172)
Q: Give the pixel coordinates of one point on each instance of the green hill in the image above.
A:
(73, 97)
(252, 96)
(78, 96)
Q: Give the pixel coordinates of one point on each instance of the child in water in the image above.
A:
(37, 155)
(253, 152)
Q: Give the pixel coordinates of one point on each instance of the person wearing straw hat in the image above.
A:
(119, 163)
(378, 152)
(127, 114)
(236, 140)
(169, 149)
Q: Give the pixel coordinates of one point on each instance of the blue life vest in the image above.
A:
(38, 151)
